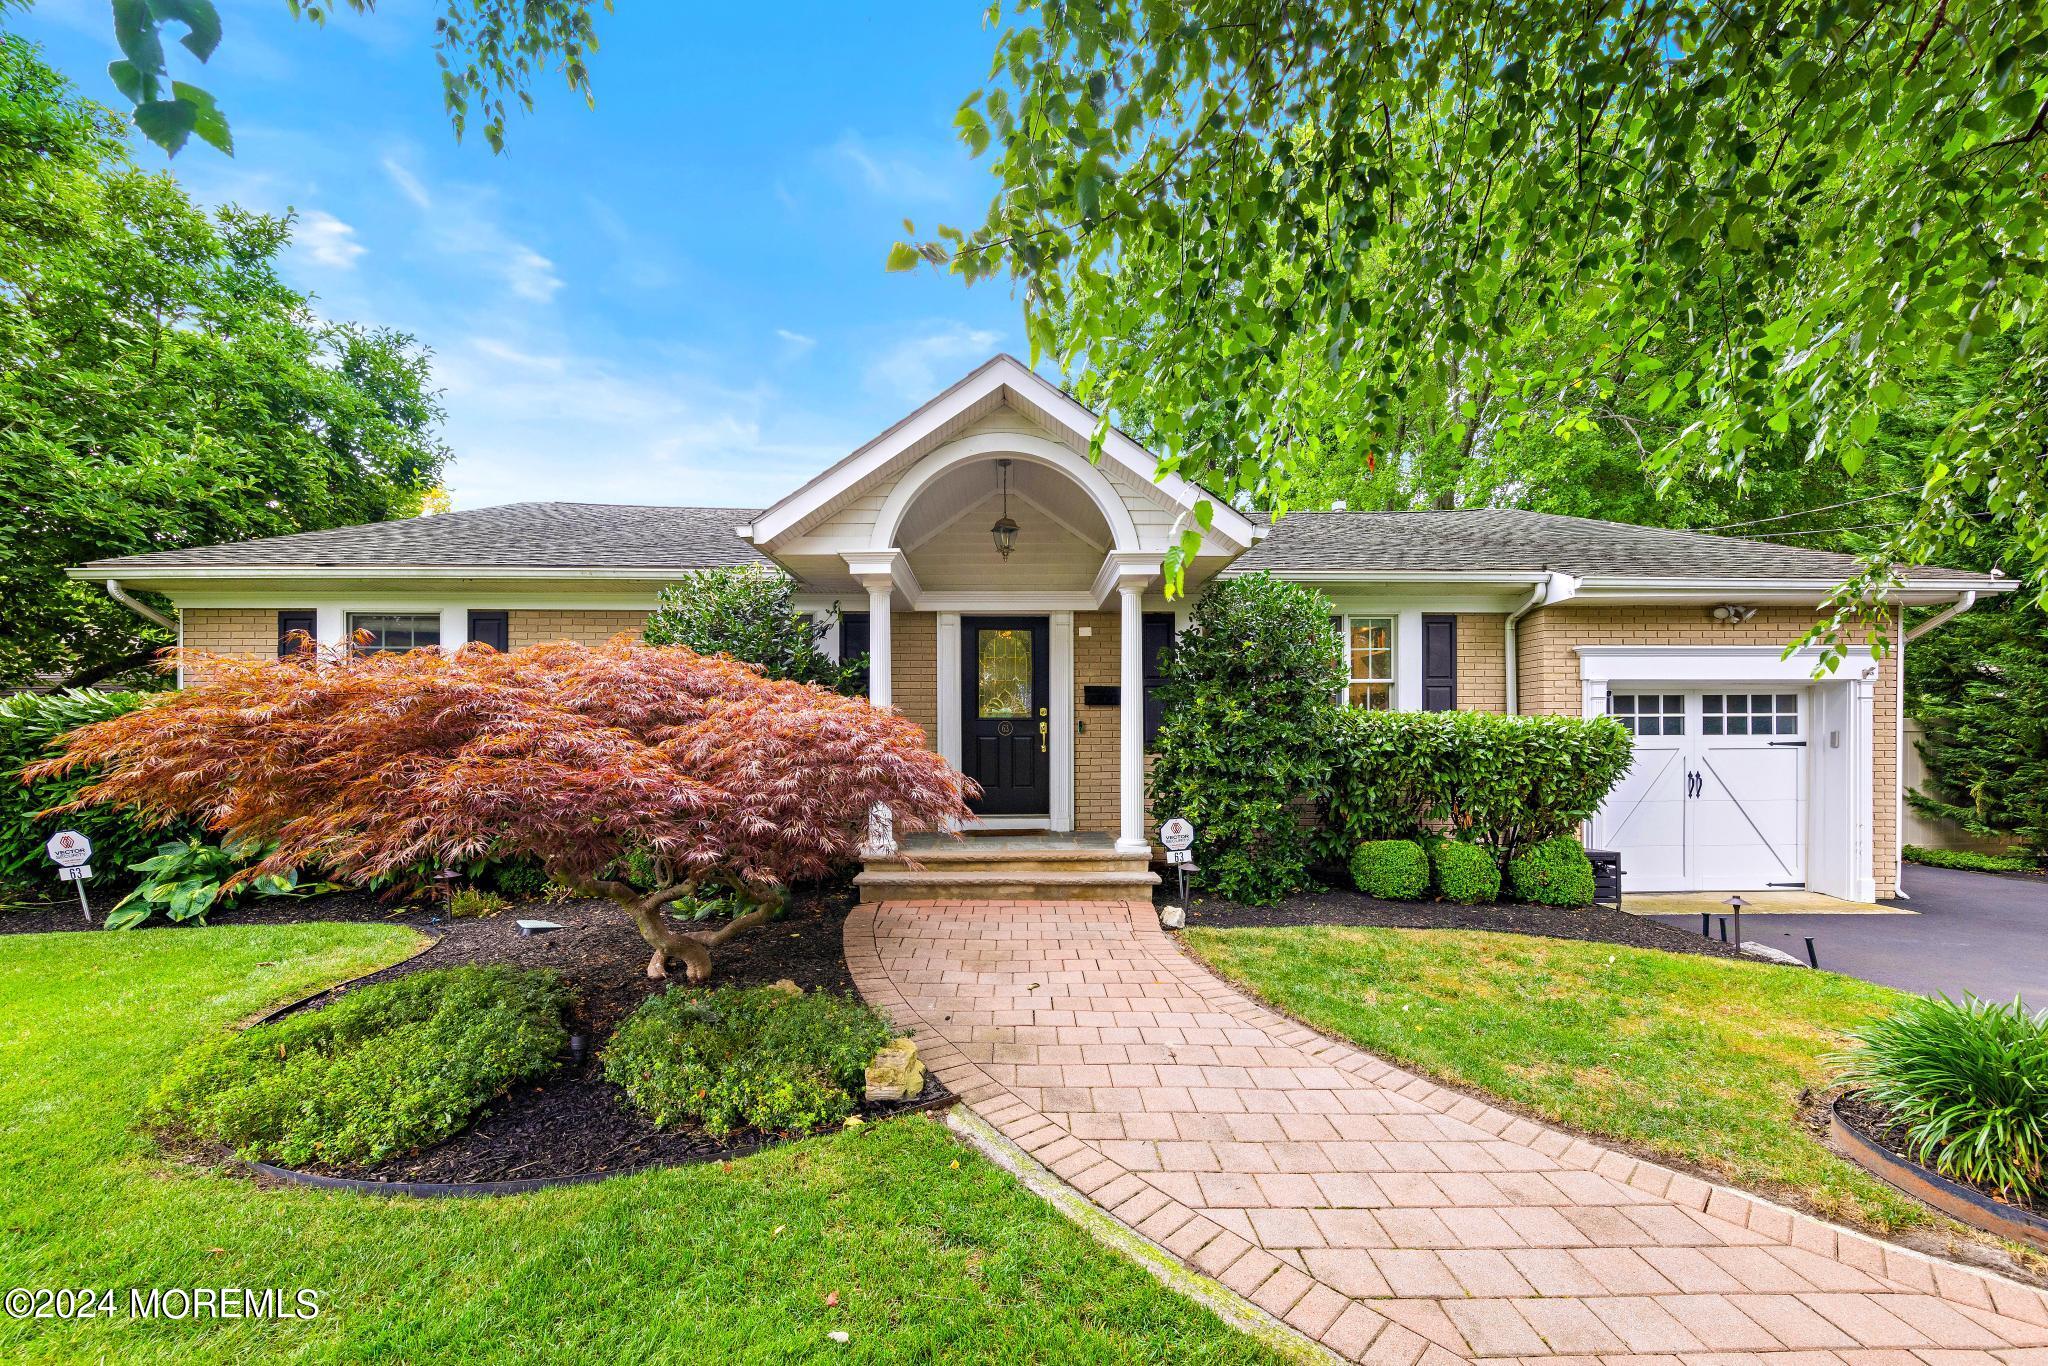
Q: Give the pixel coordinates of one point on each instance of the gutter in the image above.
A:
(1556, 587)
(1963, 603)
(138, 607)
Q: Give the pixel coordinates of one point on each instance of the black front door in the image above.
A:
(1007, 744)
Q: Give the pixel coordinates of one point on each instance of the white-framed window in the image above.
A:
(1648, 713)
(1369, 652)
(393, 632)
(1759, 713)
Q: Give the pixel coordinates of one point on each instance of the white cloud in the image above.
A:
(460, 225)
(891, 173)
(794, 344)
(918, 367)
(533, 421)
(327, 241)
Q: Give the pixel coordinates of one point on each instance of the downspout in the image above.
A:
(1963, 603)
(139, 608)
(1556, 587)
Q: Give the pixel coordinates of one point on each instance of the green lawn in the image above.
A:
(931, 1251)
(1699, 1059)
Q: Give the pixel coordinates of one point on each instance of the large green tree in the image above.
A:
(1774, 213)
(161, 387)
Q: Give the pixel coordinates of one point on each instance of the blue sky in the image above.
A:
(676, 297)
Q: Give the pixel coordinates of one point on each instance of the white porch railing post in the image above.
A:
(1131, 724)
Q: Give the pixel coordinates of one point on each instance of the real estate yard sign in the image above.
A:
(70, 851)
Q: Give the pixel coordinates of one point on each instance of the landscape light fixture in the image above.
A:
(1005, 530)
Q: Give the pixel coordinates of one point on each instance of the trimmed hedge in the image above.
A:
(388, 1068)
(752, 1057)
(1505, 782)
(1244, 748)
(1970, 861)
(1392, 870)
(1465, 873)
(1555, 872)
(28, 723)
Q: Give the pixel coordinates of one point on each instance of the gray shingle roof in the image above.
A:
(514, 536)
(1512, 539)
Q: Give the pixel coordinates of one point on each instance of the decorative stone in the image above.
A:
(529, 928)
(896, 1073)
(1172, 918)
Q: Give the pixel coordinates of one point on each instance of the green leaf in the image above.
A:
(129, 80)
(902, 256)
(208, 122)
(167, 123)
(200, 18)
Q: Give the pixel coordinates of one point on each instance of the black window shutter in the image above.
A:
(491, 628)
(296, 621)
(1439, 663)
(1158, 649)
(853, 641)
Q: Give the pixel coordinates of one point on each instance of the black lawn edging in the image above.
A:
(1965, 1203)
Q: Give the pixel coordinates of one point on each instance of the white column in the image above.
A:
(948, 666)
(1131, 725)
(879, 676)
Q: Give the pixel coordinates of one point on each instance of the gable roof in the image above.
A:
(512, 536)
(1513, 540)
(999, 379)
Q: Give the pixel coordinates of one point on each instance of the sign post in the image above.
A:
(1179, 838)
(70, 851)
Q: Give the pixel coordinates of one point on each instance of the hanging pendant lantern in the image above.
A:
(1005, 530)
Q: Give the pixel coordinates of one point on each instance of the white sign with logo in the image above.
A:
(1177, 834)
(69, 848)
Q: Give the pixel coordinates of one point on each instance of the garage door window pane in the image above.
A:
(1648, 713)
(1749, 713)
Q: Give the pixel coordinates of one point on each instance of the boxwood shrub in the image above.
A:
(1244, 747)
(1554, 872)
(1971, 860)
(388, 1068)
(1502, 781)
(739, 1057)
(1968, 1084)
(1392, 870)
(1465, 872)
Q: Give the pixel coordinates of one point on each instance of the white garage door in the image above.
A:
(1716, 798)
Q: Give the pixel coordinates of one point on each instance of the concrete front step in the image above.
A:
(1005, 883)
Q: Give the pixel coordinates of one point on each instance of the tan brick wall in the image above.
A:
(1482, 661)
(248, 631)
(578, 625)
(914, 670)
(1098, 659)
(1549, 682)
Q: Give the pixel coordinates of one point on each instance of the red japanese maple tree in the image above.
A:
(578, 757)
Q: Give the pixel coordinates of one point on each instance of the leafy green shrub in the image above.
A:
(1552, 872)
(1970, 860)
(474, 903)
(388, 1068)
(1392, 870)
(750, 613)
(187, 880)
(1968, 1084)
(1979, 689)
(1248, 701)
(745, 1057)
(519, 879)
(1501, 781)
(1465, 872)
(28, 722)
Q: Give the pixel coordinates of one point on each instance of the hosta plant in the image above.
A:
(1967, 1084)
(188, 878)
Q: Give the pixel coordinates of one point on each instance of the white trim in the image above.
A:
(1408, 659)
(1023, 602)
(1008, 823)
(1699, 664)
(1130, 769)
(1036, 450)
(1062, 686)
(947, 629)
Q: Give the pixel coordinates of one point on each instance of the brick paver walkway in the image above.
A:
(1390, 1219)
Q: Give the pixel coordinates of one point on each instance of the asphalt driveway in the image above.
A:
(1973, 932)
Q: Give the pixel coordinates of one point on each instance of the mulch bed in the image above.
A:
(1595, 924)
(575, 1122)
(1878, 1125)
(58, 915)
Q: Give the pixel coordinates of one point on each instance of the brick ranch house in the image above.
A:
(1031, 671)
